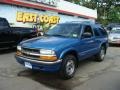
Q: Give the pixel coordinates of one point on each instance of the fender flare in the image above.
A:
(66, 51)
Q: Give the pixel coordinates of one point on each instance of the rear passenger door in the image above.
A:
(101, 35)
(87, 41)
(98, 37)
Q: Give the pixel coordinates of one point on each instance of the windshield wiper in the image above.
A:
(47, 34)
(54, 35)
(59, 35)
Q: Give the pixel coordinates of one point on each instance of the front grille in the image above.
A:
(31, 50)
(27, 53)
(30, 56)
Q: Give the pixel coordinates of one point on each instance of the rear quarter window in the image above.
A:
(96, 32)
(103, 31)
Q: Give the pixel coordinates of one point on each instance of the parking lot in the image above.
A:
(90, 75)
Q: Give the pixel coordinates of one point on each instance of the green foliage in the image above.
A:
(108, 10)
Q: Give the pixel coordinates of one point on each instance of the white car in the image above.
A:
(115, 28)
(114, 37)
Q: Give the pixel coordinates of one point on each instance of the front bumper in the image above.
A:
(114, 41)
(40, 65)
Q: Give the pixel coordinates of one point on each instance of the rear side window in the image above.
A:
(103, 32)
(96, 32)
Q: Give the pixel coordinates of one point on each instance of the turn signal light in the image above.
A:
(18, 53)
(48, 58)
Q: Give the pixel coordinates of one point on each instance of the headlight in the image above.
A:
(48, 55)
(47, 52)
(19, 48)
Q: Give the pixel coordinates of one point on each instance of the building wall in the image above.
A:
(77, 9)
(10, 13)
(64, 11)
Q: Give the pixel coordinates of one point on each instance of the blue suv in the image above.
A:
(62, 47)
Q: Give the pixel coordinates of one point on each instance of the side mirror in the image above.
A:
(86, 35)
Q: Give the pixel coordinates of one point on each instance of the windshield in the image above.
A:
(115, 31)
(66, 30)
(116, 28)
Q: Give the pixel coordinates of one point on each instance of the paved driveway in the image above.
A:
(90, 75)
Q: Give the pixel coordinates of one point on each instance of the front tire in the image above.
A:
(68, 67)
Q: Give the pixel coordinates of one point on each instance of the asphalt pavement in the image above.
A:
(90, 75)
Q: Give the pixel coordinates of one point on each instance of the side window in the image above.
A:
(3, 22)
(88, 33)
(96, 32)
(103, 32)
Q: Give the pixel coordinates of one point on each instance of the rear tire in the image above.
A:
(101, 55)
(68, 67)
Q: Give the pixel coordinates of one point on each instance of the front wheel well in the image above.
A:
(72, 52)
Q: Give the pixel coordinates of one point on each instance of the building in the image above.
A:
(26, 13)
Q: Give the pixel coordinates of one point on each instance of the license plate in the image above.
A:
(28, 65)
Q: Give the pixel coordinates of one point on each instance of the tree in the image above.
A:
(108, 10)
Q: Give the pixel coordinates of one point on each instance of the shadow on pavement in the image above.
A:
(50, 80)
(53, 80)
(114, 45)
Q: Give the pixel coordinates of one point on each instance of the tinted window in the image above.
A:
(96, 32)
(103, 32)
(115, 31)
(3, 22)
(117, 28)
(67, 30)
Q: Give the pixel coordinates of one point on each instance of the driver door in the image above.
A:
(87, 42)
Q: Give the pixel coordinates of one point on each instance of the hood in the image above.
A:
(114, 35)
(47, 42)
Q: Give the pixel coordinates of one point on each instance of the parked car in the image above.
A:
(114, 36)
(62, 47)
(110, 26)
(11, 36)
(115, 28)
